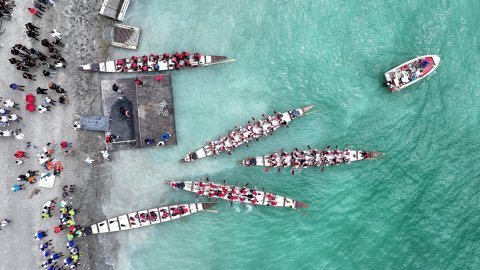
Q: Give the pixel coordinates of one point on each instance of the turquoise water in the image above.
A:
(417, 208)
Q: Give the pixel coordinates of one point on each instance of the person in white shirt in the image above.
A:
(56, 34)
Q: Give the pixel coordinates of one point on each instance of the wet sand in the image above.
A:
(82, 29)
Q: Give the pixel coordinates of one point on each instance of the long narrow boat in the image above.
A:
(155, 62)
(309, 158)
(148, 217)
(243, 135)
(411, 72)
(234, 193)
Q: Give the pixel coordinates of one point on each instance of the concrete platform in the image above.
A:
(125, 36)
(151, 112)
(114, 9)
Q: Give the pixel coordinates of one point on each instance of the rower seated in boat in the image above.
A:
(175, 211)
(165, 214)
(152, 216)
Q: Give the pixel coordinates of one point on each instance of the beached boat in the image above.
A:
(234, 193)
(309, 158)
(148, 217)
(411, 72)
(155, 62)
(243, 135)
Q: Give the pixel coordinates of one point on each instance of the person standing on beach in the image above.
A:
(46, 43)
(45, 245)
(56, 34)
(32, 34)
(49, 100)
(38, 6)
(16, 188)
(89, 160)
(32, 27)
(10, 104)
(41, 91)
(63, 99)
(39, 235)
(47, 73)
(35, 12)
(22, 48)
(43, 109)
(53, 86)
(20, 154)
(29, 76)
(76, 125)
(105, 154)
(15, 86)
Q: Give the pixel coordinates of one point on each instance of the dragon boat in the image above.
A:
(243, 135)
(155, 62)
(309, 158)
(148, 217)
(232, 193)
(411, 72)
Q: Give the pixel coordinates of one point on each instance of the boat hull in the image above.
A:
(152, 65)
(411, 72)
(309, 158)
(243, 135)
(236, 194)
(146, 217)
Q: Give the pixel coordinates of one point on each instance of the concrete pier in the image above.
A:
(151, 112)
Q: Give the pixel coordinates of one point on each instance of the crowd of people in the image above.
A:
(156, 62)
(152, 216)
(45, 159)
(6, 8)
(243, 135)
(67, 222)
(408, 73)
(37, 61)
(231, 192)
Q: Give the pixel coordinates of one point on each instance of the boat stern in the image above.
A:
(300, 205)
(207, 205)
(218, 59)
(375, 154)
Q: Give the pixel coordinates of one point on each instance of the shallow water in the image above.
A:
(416, 208)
